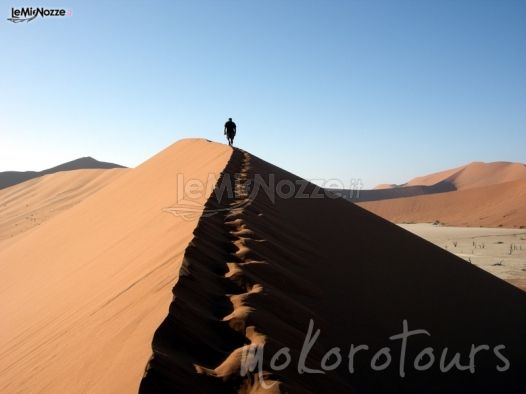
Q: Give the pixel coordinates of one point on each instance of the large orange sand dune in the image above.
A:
(89, 307)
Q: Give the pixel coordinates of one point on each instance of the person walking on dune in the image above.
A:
(230, 131)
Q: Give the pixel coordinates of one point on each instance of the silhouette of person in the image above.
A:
(230, 131)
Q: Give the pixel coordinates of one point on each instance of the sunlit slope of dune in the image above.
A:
(82, 294)
(33, 202)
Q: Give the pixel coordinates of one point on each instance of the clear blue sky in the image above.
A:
(378, 90)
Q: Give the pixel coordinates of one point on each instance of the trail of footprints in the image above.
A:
(198, 347)
(241, 286)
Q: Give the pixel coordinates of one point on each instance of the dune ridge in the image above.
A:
(211, 295)
(228, 270)
(260, 269)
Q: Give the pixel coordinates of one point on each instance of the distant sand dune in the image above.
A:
(33, 202)
(477, 194)
(476, 174)
(500, 205)
(473, 175)
(10, 178)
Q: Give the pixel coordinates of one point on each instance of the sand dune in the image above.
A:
(426, 180)
(473, 175)
(33, 202)
(82, 294)
(477, 194)
(10, 178)
(476, 174)
(89, 293)
(500, 205)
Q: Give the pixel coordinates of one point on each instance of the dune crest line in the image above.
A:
(199, 345)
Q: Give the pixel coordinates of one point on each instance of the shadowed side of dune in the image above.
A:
(392, 193)
(265, 266)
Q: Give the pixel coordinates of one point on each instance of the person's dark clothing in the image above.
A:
(230, 131)
(230, 128)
